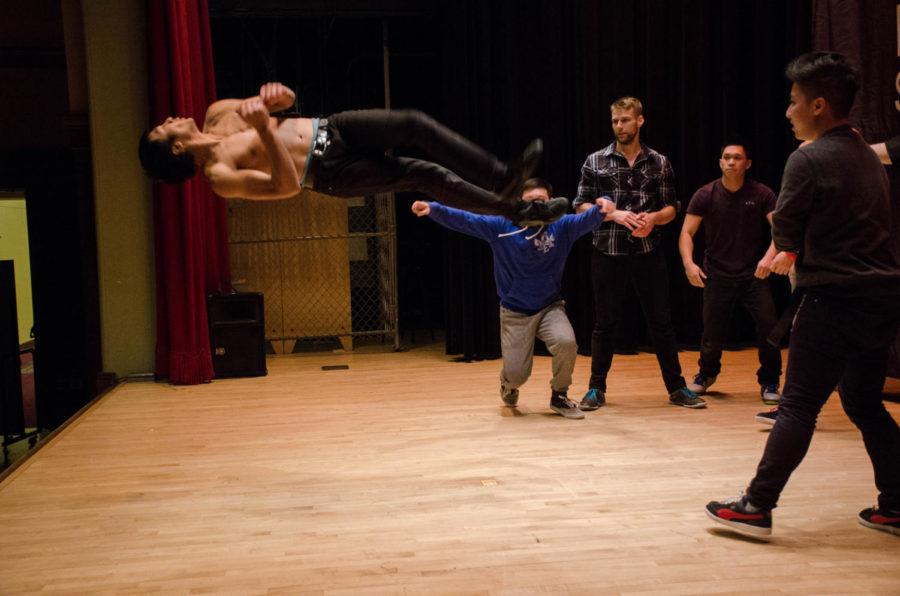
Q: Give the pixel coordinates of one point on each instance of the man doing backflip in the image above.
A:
(246, 153)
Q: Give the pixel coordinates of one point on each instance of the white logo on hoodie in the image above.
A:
(545, 242)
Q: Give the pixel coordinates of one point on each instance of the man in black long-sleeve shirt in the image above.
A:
(834, 220)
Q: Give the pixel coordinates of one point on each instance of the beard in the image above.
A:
(626, 138)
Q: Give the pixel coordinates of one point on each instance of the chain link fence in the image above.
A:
(327, 268)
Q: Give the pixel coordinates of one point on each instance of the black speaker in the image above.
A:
(237, 334)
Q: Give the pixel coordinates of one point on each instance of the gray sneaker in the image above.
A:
(701, 384)
(562, 405)
(770, 395)
(510, 397)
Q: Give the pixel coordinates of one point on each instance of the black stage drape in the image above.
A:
(506, 71)
(517, 69)
(866, 31)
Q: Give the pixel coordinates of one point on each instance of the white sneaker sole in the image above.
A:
(764, 420)
(567, 413)
(743, 529)
(698, 406)
(888, 529)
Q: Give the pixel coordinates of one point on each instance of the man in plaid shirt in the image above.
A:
(626, 249)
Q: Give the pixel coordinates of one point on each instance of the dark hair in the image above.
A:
(537, 183)
(735, 140)
(161, 163)
(826, 74)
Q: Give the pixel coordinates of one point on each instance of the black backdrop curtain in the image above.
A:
(505, 71)
(517, 69)
(866, 31)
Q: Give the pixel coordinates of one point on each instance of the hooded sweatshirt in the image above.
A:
(528, 264)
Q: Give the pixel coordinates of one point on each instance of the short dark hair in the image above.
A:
(537, 183)
(735, 140)
(826, 74)
(161, 163)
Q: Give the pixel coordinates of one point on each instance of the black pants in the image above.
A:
(719, 299)
(839, 342)
(610, 277)
(461, 175)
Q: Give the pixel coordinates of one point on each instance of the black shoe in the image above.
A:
(742, 517)
(881, 519)
(768, 417)
(686, 398)
(701, 384)
(593, 399)
(519, 170)
(770, 395)
(562, 405)
(540, 213)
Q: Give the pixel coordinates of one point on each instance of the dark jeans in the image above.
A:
(843, 342)
(719, 299)
(461, 175)
(610, 276)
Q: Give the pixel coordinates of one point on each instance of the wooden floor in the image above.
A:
(404, 475)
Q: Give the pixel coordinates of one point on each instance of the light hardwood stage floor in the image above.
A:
(404, 475)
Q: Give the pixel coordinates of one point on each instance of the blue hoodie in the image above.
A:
(528, 269)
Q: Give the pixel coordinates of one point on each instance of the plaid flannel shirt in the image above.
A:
(647, 186)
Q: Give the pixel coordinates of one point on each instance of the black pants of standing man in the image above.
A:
(836, 341)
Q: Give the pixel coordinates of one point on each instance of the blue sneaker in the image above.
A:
(593, 399)
(686, 398)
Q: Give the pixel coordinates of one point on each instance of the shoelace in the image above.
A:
(519, 231)
(741, 500)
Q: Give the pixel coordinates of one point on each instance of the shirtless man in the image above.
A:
(246, 153)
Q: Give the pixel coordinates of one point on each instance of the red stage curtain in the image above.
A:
(190, 235)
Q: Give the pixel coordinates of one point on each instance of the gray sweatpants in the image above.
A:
(517, 333)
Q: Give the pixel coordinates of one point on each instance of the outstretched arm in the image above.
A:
(471, 224)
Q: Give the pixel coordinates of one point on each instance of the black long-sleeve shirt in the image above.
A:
(834, 211)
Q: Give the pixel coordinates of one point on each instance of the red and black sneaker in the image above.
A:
(881, 519)
(742, 517)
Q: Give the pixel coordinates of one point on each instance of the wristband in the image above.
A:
(791, 255)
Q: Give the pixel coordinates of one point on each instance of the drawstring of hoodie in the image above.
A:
(520, 230)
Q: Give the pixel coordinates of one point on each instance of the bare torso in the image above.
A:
(242, 149)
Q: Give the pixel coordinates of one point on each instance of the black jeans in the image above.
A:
(461, 175)
(843, 342)
(649, 274)
(719, 299)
